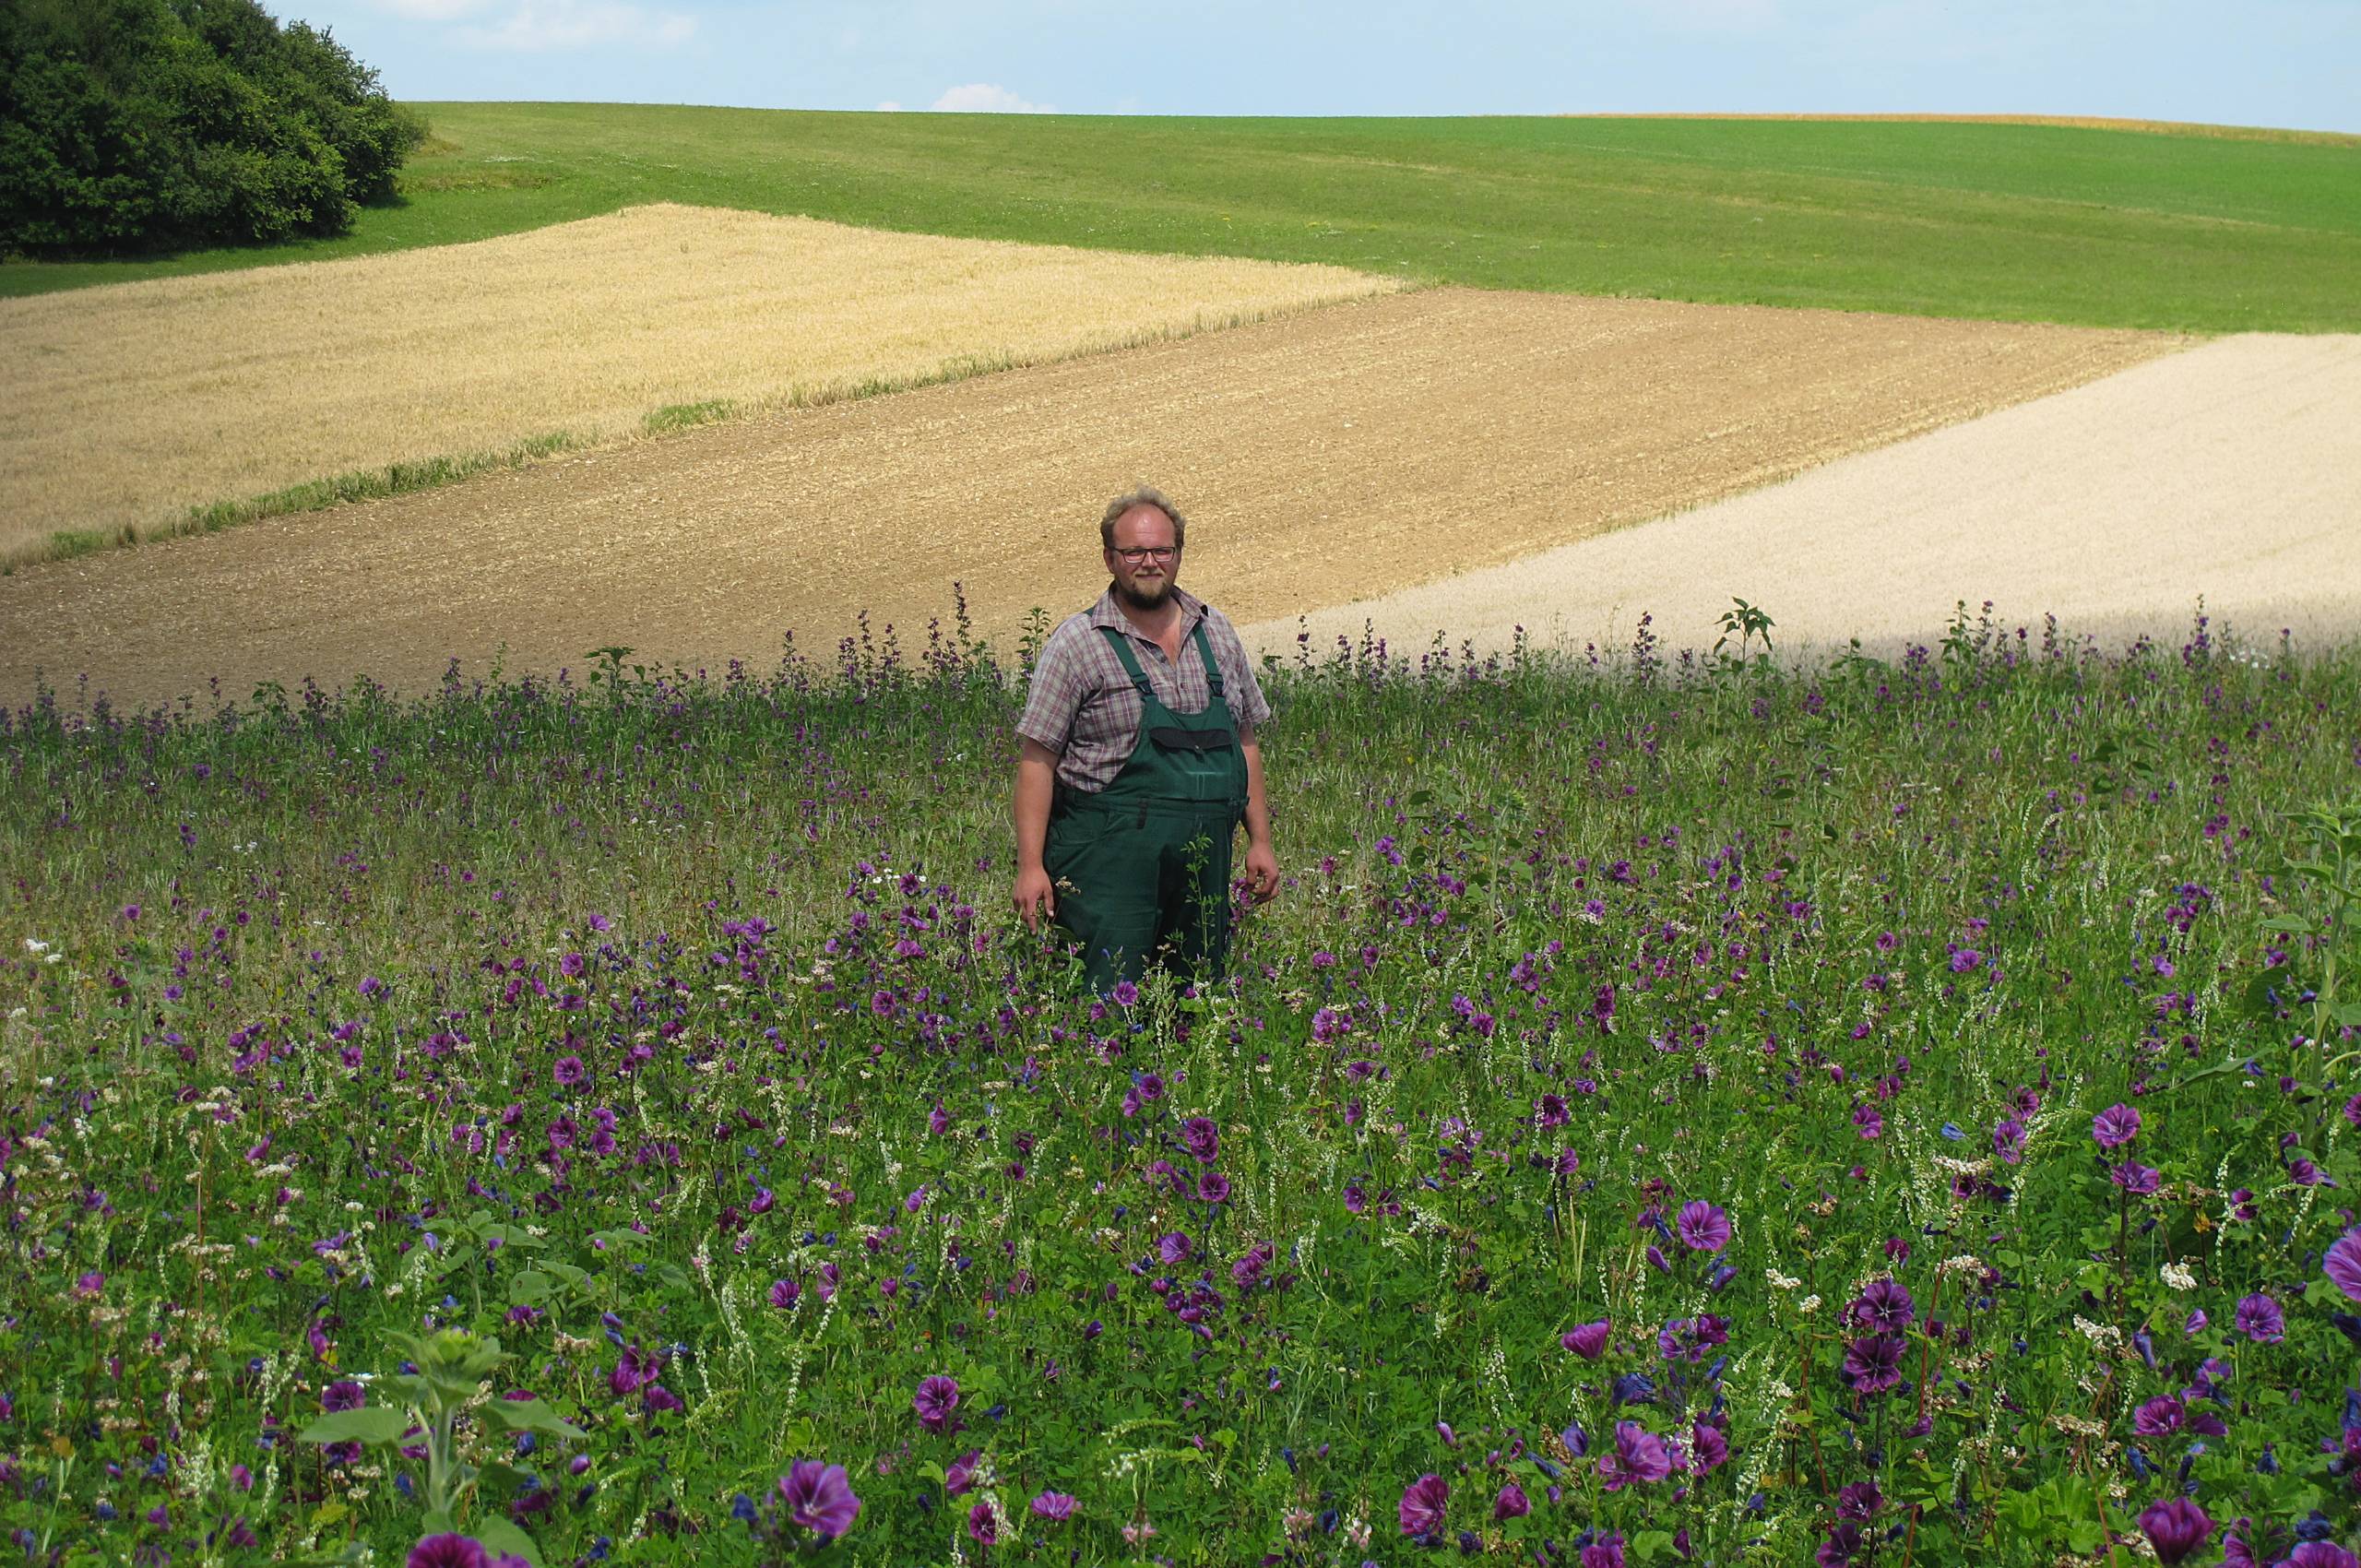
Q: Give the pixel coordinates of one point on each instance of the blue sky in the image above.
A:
(2293, 63)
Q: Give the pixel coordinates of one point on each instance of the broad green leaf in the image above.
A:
(531, 1415)
(373, 1425)
(499, 1535)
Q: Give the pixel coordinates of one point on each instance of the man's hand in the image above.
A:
(1263, 870)
(1037, 895)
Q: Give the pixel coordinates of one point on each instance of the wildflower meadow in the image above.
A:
(1699, 1109)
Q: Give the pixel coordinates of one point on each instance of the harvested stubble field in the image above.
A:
(1328, 456)
(130, 406)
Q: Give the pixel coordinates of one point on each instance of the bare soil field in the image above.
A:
(131, 404)
(2232, 471)
(1325, 458)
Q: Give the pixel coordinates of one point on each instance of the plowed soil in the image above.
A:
(1325, 458)
(2231, 473)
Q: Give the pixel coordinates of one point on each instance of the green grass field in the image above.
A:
(2017, 222)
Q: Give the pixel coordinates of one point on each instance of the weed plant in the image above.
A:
(1690, 1110)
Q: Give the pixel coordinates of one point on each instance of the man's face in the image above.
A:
(1144, 576)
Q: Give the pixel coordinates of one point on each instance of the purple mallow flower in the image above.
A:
(1422, 1504)
(2115, 1126)
(819, 1497)
(1056, 1506)
(2343, 1264)
(446, 1550)
(1589, 1341)
(1640, 1457)
(1873, 1362)
(2260, 1319)
(935, 1400)
(1703, 1227)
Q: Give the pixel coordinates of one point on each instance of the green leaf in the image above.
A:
(531, 1415)
(499, 1535)
(376, 1425)
(529, 1289)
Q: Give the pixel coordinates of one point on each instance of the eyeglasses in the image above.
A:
(1155, 551)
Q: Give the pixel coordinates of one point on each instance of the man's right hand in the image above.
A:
(1036, 897)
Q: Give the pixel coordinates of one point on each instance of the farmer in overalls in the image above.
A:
(1137, 764)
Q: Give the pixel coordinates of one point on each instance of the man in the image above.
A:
(1137, 761)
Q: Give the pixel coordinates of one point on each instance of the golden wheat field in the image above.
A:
(129, 405)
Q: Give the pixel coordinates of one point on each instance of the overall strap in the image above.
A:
(1206, 658)
(1131, 662)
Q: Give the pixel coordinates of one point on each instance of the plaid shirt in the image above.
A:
(1081, 705)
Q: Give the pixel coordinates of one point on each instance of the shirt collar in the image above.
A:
(1106, 614)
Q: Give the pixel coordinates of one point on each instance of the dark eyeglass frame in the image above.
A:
(1140, 556)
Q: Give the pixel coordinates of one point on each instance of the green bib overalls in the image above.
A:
(1146, 860)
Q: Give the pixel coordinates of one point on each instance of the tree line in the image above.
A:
(139, 126)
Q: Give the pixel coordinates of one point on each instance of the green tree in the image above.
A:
(144, 124)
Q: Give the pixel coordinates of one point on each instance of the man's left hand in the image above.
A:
(1263, 872)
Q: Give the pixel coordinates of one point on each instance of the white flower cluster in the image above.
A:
(2179, 1275)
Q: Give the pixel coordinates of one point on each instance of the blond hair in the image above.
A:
(1146, 495)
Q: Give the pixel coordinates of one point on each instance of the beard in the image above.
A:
(1146, 596)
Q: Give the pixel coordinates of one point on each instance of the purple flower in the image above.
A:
(2115, 1126)
(1214, 1187)
(1202, 1138)
(983, 1523)
(1639, 1455)
(1605, 1552)
(1173, 1247)
(1054, 1505)
(1860, 1501)
(1589, 1341)
(819, 1497)
(1125, 994)
(1421, 1509)
(89, 1283)
(1873, 1362)
(1884, 1304)
(2322, 1554)
(1841, 1546)
(784, 1292)
(2159, 1416)
(343, 1394)
(961, 1473)
(2260, 1319)
(1703, 1227)
(2343, 1264)
(1708, 1449)
(1511, 1503)
(937, 1398)
(448, 1550)
(2009, 1140)
(2134, 1178)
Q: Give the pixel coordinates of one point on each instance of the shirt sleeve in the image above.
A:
(1056, 691)
(1247, 703)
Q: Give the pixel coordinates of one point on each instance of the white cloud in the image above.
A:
(988, 97)
(432, 10)
(536, 26)
(889, 107)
